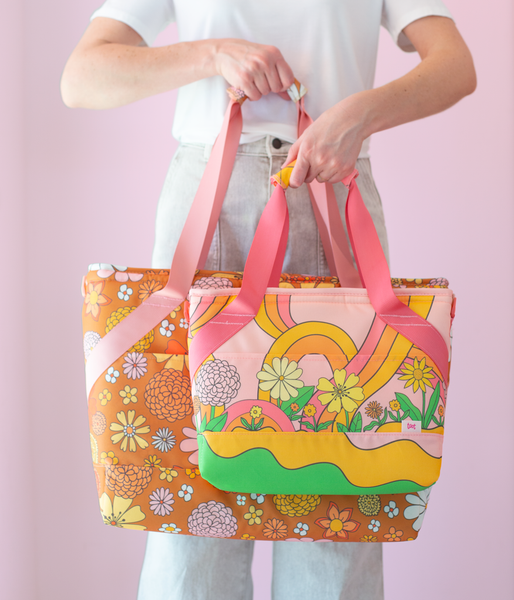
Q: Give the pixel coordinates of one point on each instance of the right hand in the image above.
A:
(254, 68)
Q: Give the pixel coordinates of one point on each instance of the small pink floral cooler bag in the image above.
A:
(305, 408)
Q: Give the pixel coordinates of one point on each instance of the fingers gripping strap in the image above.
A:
(375, 275)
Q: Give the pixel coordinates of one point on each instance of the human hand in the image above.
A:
(254, 68)
(328, 149)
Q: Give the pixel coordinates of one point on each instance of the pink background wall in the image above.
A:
(81, 186)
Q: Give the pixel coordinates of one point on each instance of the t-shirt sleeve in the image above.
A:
(146, 17)
(397, 14)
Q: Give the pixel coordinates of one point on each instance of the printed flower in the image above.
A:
(217, 382)
(112, 375)
(394, 535)
(91, 339)
(374, 525)
(417, 375)
(128, 394)
(125, 292)
(168, 395)
(391, 510)
(374, 409)
(439, 282)
(147, 288)
(120, 513)
(192, 473)
(108, 458)
(117, 316)
(129, 431)
(183, 323)
(153, 461)
(166, 328)
(337, 523)
(127, 481)
(168, 473)
(163, 440)
(190, 444)
(253, 516)
(394, 405)
(135, 365)
(368, 538)
(419, 503)
(212, 519)
(259, 498)
(169, 528)
(309, 410)
(281, 379)
(247, 536)
(301, 529)
(216, 283)
(294, 407)
(95, 299)
(186, 492)
(241, 500)
(274, 529)
(255, 412)
(104, 396)
(98, 423)
(369, 505)
(296, 506)
(397, 283)
(343, 393)
(440, 410)
(161, 501)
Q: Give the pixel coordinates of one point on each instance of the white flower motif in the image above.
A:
(374, 525)
(241, 500)
(258, 497)
(112, 375)
(282, 379)
(91, 339)
(166, 328)
(163, 439)
(392, 510)
(125, 292)
(301, 528)
(418, 507)
(183, 323)
(169, 528)
(186, 491)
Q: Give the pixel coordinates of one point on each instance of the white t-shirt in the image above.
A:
(318, 38)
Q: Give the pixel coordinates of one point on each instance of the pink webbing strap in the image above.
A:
(373, 270)
(267, 250)
(333, 236)
(375, 275)
(200, 222)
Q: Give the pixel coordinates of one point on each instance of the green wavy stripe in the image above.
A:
(257, 471)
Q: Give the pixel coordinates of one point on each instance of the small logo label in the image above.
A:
(409, 426)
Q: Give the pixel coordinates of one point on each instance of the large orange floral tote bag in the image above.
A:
(144, 419)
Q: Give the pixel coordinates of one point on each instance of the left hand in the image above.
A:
(328, 149)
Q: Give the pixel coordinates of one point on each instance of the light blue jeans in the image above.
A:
(180, 567)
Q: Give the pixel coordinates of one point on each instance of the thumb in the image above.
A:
(292, 154)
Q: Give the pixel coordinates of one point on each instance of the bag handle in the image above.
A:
(200, 225)
(373, 270)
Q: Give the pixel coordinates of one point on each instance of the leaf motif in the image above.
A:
(259, 424)
(217, 423)
(245, 423)
(370, 426)
(384, 418)
(434, 401)
(356, 424)
(304, 395)
(203, 424)
(308, 425)
(324, 425)
(406, 404)
(405, 415)
(342, 428)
